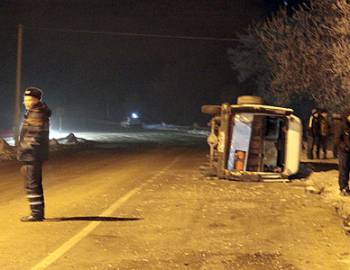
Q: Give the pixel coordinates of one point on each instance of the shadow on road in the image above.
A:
(321, 166)
(307, 167)
(91, 218)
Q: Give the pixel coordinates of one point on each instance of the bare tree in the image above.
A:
(304, 54)
(250, 61)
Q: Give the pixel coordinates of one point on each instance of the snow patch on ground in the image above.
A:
(157, 134)
(195, 130)
(10, 140)
(7, 152)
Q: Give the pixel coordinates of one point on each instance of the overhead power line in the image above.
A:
(137, 35)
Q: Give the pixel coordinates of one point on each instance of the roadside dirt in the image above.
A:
(191, 222)
(179, 220)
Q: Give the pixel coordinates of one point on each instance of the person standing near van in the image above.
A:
(322, 141)
(312, 133)
(344, 155)
(336, 128)
(32, 150)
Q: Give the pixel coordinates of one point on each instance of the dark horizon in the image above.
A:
(103, 76)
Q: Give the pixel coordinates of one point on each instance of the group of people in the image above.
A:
(320, 129)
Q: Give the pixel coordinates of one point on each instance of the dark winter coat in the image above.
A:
(33, 144)
(343, 138)
(336, 126)
(324, 126)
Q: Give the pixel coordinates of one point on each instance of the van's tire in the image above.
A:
(211, 109)
(249, 100)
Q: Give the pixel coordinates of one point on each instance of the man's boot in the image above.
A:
(37, 214)
(32, 219)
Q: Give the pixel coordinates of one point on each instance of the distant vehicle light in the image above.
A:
(134, 116)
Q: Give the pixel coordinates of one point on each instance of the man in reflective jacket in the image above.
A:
(32, 150)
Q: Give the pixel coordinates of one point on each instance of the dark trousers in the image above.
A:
(344, 169)
(32, 172)
(335, 150)
(321, 143)
(311, 143)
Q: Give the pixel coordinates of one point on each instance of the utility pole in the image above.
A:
(18, 81)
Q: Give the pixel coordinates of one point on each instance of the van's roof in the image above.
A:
(261, 108)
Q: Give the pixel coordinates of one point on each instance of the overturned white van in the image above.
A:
(250, 141)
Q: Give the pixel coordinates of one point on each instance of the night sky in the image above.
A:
(105, 77)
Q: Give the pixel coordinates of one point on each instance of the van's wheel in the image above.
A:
(211, 109)
(249, 100)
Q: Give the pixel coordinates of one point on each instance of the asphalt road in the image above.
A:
(150, 208)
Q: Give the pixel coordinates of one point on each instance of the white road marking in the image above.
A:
(47, 261)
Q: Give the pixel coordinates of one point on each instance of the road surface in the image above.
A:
(149, 207)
